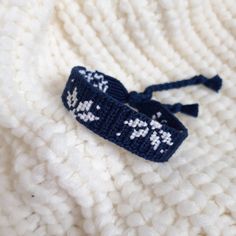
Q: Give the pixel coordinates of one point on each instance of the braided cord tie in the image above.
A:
(214, 84)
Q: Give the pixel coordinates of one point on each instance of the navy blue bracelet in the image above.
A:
(131, 120)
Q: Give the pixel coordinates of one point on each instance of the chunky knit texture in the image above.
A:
(57, 177)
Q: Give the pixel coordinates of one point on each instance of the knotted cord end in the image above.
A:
(189, 109)
(215, 83)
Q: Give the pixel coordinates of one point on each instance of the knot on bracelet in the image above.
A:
(136, 98)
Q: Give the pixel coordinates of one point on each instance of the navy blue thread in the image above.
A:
(188, 109)
(98, 101)
(214, 84)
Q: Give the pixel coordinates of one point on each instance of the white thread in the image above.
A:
(72, 98)
(81, 110)
(97, 80)
(157, 115)
(156, 138)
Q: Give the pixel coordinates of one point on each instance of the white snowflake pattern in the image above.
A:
(72, 98)
(155, 140)
(81, 110)
(156, 116)
(142, 129)
(96, 79)
(155, 124)
(166, 137)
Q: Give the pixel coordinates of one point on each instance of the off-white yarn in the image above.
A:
(57, 177)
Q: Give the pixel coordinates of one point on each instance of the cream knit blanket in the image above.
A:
(57, 177)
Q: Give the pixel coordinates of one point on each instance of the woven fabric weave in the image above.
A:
(95, 100)
(57, 177)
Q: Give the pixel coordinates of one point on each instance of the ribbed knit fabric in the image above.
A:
(57, 177)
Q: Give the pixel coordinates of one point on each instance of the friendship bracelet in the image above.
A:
(131, 120)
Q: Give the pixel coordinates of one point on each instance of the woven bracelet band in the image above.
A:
(131, 120)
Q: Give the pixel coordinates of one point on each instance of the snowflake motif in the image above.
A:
(142, 129)
(82, 110)
(155, 140)
(72, 98)
(97, 80)
(155, 124)
(141, 124)
(166, 137)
